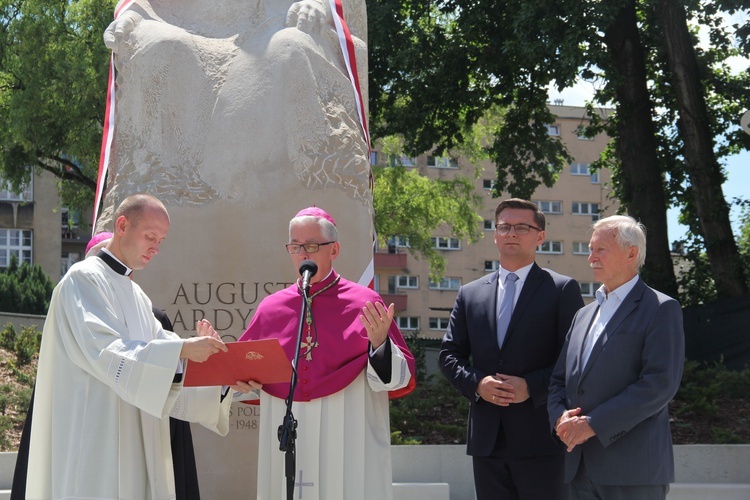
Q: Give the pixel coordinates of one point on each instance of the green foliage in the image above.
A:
(396, 438)
(18, 381)
(413, 206)
(25, 344)
(53, 80)
(725, 436)
(8, 337)
(703, 387)
(6, 424)
(6, 394)
(459, 60)
(417, 349)
(13, 404)
(414, 418)
(434, 412)
(24, 289)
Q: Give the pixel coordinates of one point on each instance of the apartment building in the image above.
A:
(578, 198)
(35, 228)
(38, 230)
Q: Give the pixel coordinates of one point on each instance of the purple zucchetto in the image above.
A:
(97, 239)
(315, 212)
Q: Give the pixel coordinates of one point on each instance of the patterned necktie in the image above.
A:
(506, 308)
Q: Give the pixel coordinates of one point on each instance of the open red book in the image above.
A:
(261, 360)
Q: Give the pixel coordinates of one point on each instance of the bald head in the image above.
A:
(133, 207)
(141, 224)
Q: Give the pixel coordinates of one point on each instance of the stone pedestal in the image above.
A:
(236, 115)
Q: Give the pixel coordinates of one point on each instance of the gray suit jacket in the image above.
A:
(633, 372)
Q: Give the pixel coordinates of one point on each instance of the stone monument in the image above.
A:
(236, 114)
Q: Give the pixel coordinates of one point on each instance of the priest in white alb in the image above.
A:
(353, 356)
(109, 376)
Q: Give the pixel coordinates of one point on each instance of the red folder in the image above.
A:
(261, 360)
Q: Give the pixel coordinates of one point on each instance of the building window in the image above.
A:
(26, 194)
(402, 160)
(489, 225)
(442, 243)
(446, 284)
(15, 242)
(581, 208)
(441, 162)
(405, 281)
(67, 260)
(373, 158)
(396, 242)
(376, 283)
(553, 130)
(408, 322)
(438, 323)
(580, 248)
(579, 168)
(550, 247)
(549, 207)
(488, 184)
(589, 288)
(491, 265)
(585, 169)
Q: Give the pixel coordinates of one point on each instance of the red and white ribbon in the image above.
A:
(350, 59)
(109, 126)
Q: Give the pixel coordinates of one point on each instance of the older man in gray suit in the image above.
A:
(621, 365)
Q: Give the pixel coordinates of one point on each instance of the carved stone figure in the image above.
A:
(222, 99)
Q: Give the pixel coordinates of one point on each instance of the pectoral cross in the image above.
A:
(301, 484)
(309, 344)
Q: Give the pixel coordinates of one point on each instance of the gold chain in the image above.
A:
(309, 344)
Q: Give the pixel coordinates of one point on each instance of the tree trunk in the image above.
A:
(642, 179)
(701, 166)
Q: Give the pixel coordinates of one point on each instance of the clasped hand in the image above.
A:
(503, 390)
(573, 428)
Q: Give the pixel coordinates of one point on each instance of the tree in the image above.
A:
(53, 77)
(701, 165)
(411, 206)
(637, 170)
(511, 51)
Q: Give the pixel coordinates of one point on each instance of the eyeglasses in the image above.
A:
(309, 247)
(521, 229)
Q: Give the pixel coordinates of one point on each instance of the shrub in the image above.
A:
(24, 289)
(27, 345)
(8, 337)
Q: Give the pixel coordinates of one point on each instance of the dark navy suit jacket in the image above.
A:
(535, 336)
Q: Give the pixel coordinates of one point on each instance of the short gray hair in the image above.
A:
(628, 233)
(330, 233)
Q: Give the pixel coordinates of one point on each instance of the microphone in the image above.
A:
(307, 270)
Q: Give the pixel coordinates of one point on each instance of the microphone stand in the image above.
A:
(287, 432)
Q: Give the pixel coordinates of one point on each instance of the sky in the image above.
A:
(737, 167)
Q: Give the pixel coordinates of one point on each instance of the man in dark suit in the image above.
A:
(621, 365)
(502, 342)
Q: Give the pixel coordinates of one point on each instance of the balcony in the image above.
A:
(390, 260)
(398, 300)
